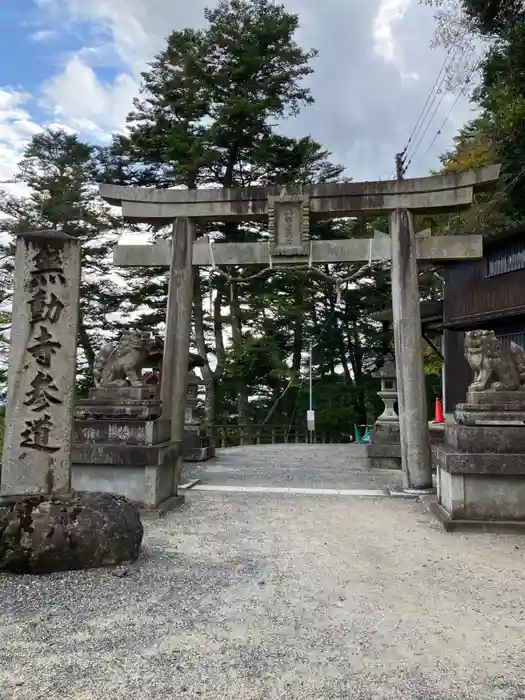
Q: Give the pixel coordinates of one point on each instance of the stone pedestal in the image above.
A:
(198, 445)
(492, 408)
(122, 446)
(481, 464)
(436, 433)
(384, 448)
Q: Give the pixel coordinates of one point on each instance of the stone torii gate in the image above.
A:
(288, 215)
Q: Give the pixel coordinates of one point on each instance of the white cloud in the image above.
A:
(389, 13)
(409, 75)
(43, 35)
(16, 129)
(137, 29)
(128, 33)
(82, 102)
(373, 74)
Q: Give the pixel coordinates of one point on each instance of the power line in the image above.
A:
(434, 113)
(425, 132)
(426, 107)
(445, 120)
(437, 89)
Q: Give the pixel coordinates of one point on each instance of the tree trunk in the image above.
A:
(356, 360)
(240, 387)
(343, 360)
(200, 341)
(330, 314)
(210, 403)
(218, 332)
(290, 404)
(85, 343)
(213, 415)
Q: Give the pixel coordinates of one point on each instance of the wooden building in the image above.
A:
(487, 293)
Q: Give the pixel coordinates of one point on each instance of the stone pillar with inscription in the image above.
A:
(42, 365)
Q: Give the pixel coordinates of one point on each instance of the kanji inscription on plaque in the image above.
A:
(42, 364)
(289, 224)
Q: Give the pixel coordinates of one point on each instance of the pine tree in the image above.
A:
(206, 116)
(59, 171)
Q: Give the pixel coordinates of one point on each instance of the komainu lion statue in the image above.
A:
(496, 368)
(120, 364)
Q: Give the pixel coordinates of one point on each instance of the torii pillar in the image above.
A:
(408, 341)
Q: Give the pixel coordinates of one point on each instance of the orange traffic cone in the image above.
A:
(438, 417)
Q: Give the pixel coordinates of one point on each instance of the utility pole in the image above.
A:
(400, 166)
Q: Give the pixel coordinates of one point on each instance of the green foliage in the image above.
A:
(502, 99)
(474, 147)
(5, 323)
(59, 171)
(498, 134)
(494, 17)
(482, 18)
(432, 361)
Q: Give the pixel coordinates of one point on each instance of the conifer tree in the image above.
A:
(59, 171)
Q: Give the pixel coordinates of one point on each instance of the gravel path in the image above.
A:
(321, 466)
(285, 597)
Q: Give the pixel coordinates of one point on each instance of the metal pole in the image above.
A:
(310, 378)
(310, 424)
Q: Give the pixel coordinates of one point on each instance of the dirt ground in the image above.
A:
(266, 596)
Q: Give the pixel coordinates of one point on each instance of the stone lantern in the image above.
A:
(192, 400)
(388, 392)
(384, 448)
(198, 445)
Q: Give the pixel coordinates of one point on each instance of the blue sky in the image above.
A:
(22, 61)
(77, 63)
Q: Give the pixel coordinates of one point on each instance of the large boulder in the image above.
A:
(45, 533)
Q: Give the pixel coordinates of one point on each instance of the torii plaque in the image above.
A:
(288, 215)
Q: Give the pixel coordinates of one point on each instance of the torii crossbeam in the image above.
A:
(288, 214)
